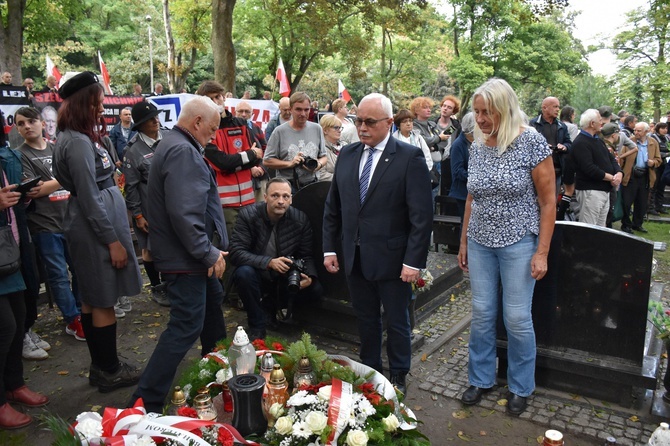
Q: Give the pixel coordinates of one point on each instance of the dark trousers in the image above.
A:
(253, 286)
(635, 194)
(12, 315)
(31, 277)
(367, 298)
(195, 311)
(659, 188)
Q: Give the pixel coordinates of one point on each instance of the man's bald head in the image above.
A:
(551, 108)
(285, 109)
(200, 116)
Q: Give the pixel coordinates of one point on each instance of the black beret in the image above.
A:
(76, 83)
(610, 129)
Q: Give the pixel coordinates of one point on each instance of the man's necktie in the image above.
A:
(365, 175)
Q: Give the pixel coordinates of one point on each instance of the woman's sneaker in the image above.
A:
(32, 351)
(122, 306)
(41, 343)
(125, 376)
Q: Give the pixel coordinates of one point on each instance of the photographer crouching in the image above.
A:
(271, 248)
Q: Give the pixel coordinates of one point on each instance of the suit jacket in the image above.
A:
(653, 153)
(394, 223)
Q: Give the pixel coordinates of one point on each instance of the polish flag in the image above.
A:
(284, 87)
(52, 70)
(342, 91)
(105, 75)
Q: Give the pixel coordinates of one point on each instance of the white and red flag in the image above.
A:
(52, 70)
(284, 87)
(105, 75)
(342, 91)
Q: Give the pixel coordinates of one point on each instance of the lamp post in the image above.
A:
(151, 53)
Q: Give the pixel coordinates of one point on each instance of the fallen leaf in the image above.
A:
(482, 433)
(152, 336)
(95, 408)
(502, 402)
(424, 357)
(486, 413)
(417, 408)
(460, 414)
(433, 397)
(155, 324)
(634, 419)
(462, 436)
(146, 314)
(63, 372)
(540, 439)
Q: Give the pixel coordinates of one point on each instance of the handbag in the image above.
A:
(617, 211)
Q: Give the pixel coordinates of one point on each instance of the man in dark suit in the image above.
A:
(380, 209)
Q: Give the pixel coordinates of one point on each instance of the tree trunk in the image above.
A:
(172, 54)
(385, 84)
(11, 39)
(222, 43)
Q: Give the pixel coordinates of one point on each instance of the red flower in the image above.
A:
(225, 438)
(367, 387)
(420, 283)
(259, 344)
(667, 312)
(187, 412)
(374, 398)
(277, 346)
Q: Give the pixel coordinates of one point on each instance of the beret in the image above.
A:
(76, 83)
(609, 129)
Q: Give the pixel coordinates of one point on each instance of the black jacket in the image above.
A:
(252, 233)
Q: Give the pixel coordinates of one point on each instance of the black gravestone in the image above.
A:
(590, 314)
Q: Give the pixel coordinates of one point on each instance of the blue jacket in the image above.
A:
(120, 142)
(11, 165)
(460, 156)
(184, 207)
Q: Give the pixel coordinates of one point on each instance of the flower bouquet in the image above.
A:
(660, 317)
(423, 283)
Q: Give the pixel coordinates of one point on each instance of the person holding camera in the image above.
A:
(271, 248)
(296, 149)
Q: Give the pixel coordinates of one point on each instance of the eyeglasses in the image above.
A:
(337, 128)
(368, 122)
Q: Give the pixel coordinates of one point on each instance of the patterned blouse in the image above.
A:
(504, 205)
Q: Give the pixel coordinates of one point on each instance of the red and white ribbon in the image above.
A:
(339, 408)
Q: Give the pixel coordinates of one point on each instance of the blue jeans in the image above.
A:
(194, 301)
(53, 252)
(489, 268)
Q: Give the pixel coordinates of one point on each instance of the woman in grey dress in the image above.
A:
(96, 227)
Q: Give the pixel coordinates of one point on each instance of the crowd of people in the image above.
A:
(210, 208)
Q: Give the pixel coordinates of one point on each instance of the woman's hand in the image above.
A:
(538, 266)
(463, 256)
(8, 197)
(118, 254)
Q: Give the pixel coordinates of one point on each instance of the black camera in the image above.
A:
(293, 274)
(309, 163)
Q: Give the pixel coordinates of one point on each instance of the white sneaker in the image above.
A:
(124, 304)
(31, 351)
(41, 343)
(118, 312)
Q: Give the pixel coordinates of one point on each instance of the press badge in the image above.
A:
(104, 156)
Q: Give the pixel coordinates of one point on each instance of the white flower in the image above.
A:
(301, 398)
(366, 408)
(357, 438)
(391, 423)
(284, 425)
(301, 430)
(204, 373)
(316, 422)
(144, 440)
(324, 393)
(223, 375)
(89, 427)
(276, 410)
(203, 362)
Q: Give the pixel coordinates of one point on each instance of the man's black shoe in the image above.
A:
(474, 395)
(652, 212)
(256, 334)
(626, 229)
(399, 382)
(640, 229)
(662, 211)
(516, 404)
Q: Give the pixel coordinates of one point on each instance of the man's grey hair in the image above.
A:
(197, 106)
(386, 104)
(468, 123)
(644, 125)
(589, 116)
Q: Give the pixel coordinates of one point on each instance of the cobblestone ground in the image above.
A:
(568, 413)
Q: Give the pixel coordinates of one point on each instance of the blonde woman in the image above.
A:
(332, 129)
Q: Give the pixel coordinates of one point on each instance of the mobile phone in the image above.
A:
(26, 185)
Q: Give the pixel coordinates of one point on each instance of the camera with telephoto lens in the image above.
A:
(293, 274)
(309, 163)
